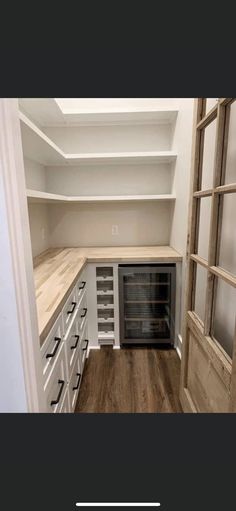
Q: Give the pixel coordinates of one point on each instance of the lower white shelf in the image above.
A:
(106, 335)
(38, 196)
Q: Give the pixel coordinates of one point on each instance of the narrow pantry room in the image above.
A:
(119, 255)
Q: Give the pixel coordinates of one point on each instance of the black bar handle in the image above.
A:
(85, 340)
(58, 340)
(76, 344)
(83, 285)
(73, 308)
(86, 310)
(77, 385)
(56, 401)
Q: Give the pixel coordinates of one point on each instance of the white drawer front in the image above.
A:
(74, 384)
(83, 347)
(65, 408)
(81, 286)
(57, 385)
(82, 313)
(51, 348)
(72, 343)
(69, 311)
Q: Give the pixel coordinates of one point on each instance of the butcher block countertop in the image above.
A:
(56, 271)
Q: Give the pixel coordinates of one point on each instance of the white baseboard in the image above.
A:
(116, 347)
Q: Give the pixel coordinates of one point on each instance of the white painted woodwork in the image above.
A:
(37, 196)
(182, 141)
(48, 112)
(39, 147)
(21, 381)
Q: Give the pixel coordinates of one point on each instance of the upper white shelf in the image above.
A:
(46, 112)
(38, 196)
(39, 147)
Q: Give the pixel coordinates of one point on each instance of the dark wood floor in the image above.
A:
(130, 380)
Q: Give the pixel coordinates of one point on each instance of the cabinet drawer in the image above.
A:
(74, 384)
(69, 311)
(81, 286)
(51, 348)
(65, 408)
(57, 385)
(82, 313)
(83, 348)
(72, 343)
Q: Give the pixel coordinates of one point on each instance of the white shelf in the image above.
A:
(105, 293)
(38, 196)
(38, 147)
(104, 279)
(46, 112)
(137, 157)
(105, 307)
(106, 335)
(108, 320)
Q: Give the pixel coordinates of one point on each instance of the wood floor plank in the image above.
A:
(130, 380)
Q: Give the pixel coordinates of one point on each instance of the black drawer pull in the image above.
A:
(56, 401)
(58, 340)
(76, 344)
(77, 385)
(83, 285)
(85, 340)
(73, 308)
(86, 310)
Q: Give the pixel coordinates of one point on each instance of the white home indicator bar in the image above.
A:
(118, 504)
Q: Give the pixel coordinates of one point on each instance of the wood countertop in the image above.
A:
(56, 271)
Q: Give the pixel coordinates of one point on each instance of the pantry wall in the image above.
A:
(136, 222)
(140, 192)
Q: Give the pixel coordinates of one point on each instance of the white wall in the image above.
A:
(39, 227)
(110, 180)
(91, 224)
(138, 223)
(35, 175)
(87, 139)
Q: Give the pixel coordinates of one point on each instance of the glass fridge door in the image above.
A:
(146, 304)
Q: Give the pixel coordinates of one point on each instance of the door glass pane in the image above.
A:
(208, 156)
(210, 103)
(224, 317)
(230, 176)
(227, 257)
(204, 227)
(200, 292)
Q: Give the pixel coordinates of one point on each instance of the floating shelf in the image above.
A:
(39, 147)
(46, 112)
(37, 196)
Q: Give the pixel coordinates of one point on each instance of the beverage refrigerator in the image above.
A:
(147, 303)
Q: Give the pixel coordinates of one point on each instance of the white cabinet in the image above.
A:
(74, 384)
(103, 304)
(56, 387)
(69, 311)
(65, 408)
(64, 351)
(51, 349)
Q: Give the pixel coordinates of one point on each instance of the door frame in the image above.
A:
(12, 170)
(197, 334)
